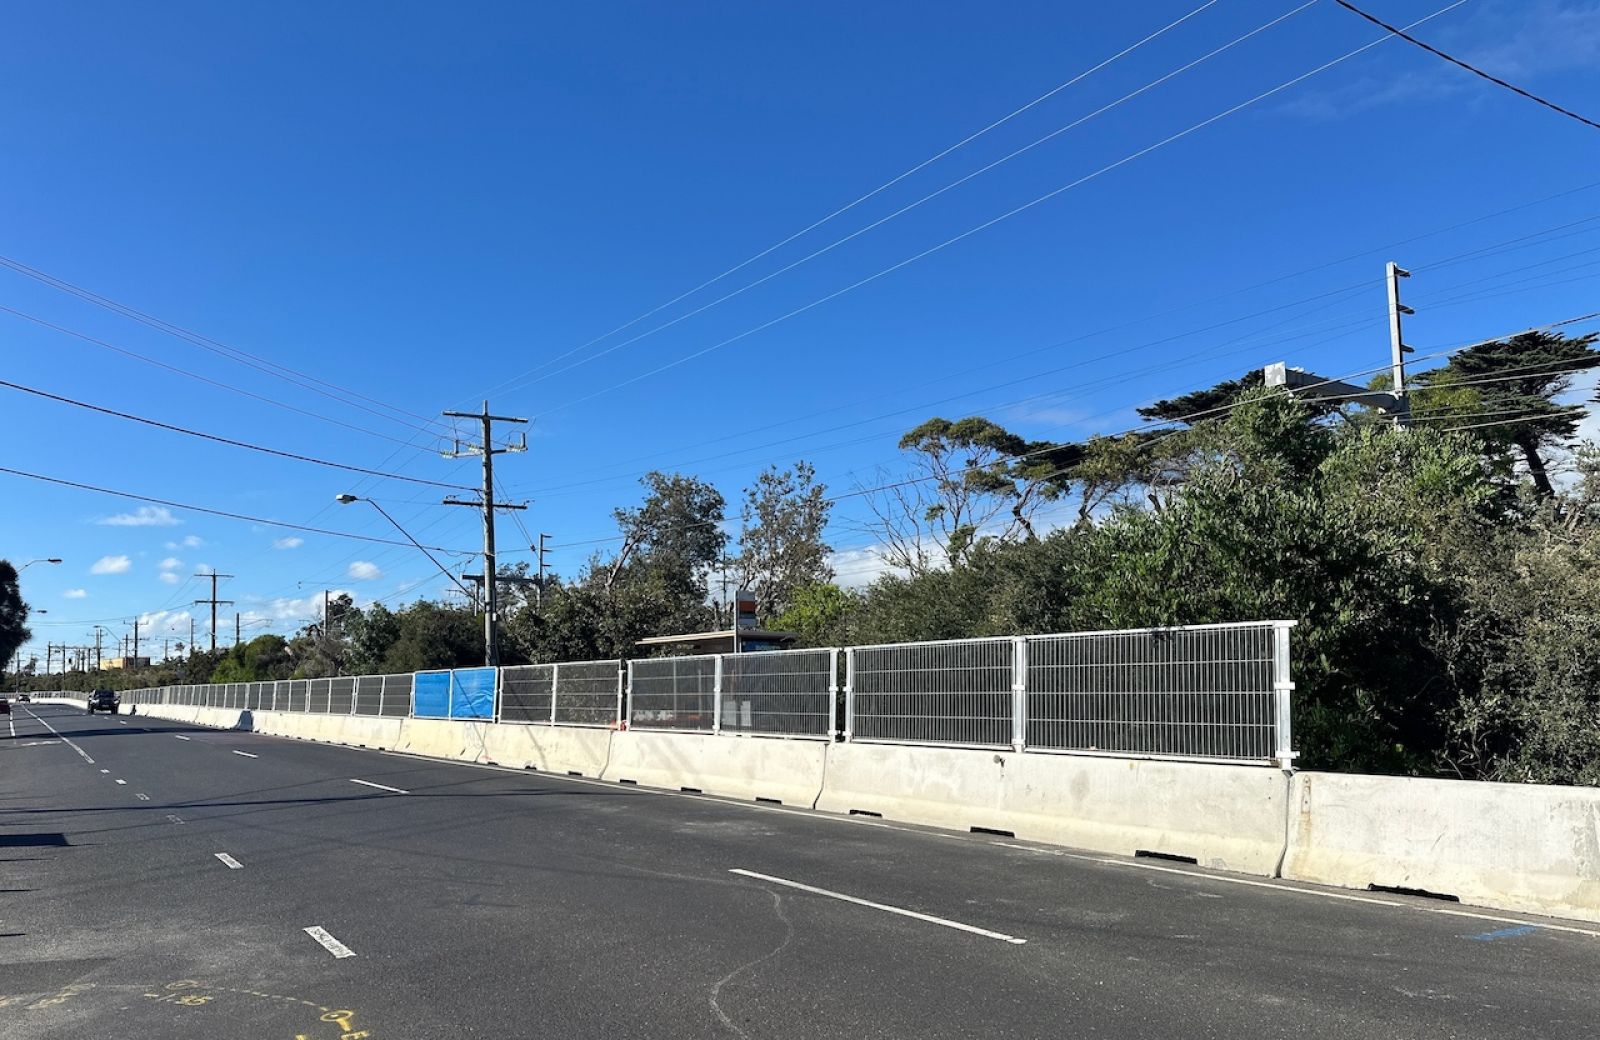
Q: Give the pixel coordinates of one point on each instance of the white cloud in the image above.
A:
(111, 565)
(166, 623)
(76, 594)
(170, 578)
(144, 516)
(858, 568)
(288, 543)
(191, 541)
(361, 570)
(171, 563)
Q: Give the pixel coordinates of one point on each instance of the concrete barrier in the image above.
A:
(550, 749)
(443, 738)
(1511, 846)
(787, 771)
(1222, 816)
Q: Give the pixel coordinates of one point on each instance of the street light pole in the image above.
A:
(346, 499)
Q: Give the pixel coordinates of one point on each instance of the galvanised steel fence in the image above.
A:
(571, 693)
(1219, 692)
(1205, 692)
(388, 695)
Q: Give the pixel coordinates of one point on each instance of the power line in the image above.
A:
(228, 440)
(863, 198)
(215, 512)
(242, 357)
(1536, 99)
(926, 198)
(200, 378)
(993, 221)
(1147, 426)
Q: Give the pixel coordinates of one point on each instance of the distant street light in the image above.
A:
(30, 563)
(346, 499)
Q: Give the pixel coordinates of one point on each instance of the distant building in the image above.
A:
(124, 662)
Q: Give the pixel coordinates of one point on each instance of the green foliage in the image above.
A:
(818, 613)
(264, 657)
(781, 546)
(14, 629)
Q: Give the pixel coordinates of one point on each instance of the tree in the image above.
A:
(820, 613)
(971, 480)
(1518, 380)
(262, 658)
(1200, 405)
(14, 611)
(781, 549)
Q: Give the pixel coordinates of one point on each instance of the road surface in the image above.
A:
(163, 881)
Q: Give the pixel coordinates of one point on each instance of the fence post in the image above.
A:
(833, 693)
(849, 693)
(625, 711)
(716, 695)
(555, 683)
(1282, 694)
(1019, 693)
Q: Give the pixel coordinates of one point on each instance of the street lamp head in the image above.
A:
(53, 559)
(344, 499)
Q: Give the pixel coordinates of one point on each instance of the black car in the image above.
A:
(25, 698)
(104, 700)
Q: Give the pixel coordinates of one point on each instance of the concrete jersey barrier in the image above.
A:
(1222, 816)
(765, 768)
(1513, 846)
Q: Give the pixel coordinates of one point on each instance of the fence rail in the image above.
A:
(1205, 692)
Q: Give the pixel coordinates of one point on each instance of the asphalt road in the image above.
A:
(494, 903)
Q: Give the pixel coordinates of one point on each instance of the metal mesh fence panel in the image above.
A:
(586, 693)
(527, 693)
(320, 695)
(298, 689)
(672, 693)
(341, 694)
(787, 693)
(1194, 692)
(397, 694)
(368, 694)
(934, 693)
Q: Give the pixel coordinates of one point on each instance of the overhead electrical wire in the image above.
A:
(1086, 178)
(1496, 80)
(216, 512)
(200, 378)
(333, 391)
(847, 207)
(228, 440)
(924, 199)
(1149, 425)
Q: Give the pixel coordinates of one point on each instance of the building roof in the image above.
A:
(721, 641)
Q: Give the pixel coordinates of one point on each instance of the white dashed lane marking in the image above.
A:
(246, 754)
(381, 787)
(329, 943)
(228, 861)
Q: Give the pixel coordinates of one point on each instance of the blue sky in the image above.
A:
(424, 203)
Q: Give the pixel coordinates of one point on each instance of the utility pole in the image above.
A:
(542, 568)
(1398, 350)
(236, 628)
(215, 602)
(1394, 402)
(191, 637)
(136, 637)
(491, 619)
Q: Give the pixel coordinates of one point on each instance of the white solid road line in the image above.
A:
(180, 736)
(381, 787)
(880, 906)
(329, 943)
(69, 743)
(13, 724)
(228, 861)
(246, 754)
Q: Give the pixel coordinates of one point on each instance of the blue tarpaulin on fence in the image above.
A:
(472, 693)
(430, 696)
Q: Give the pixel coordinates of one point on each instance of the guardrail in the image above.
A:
(1200, 692)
